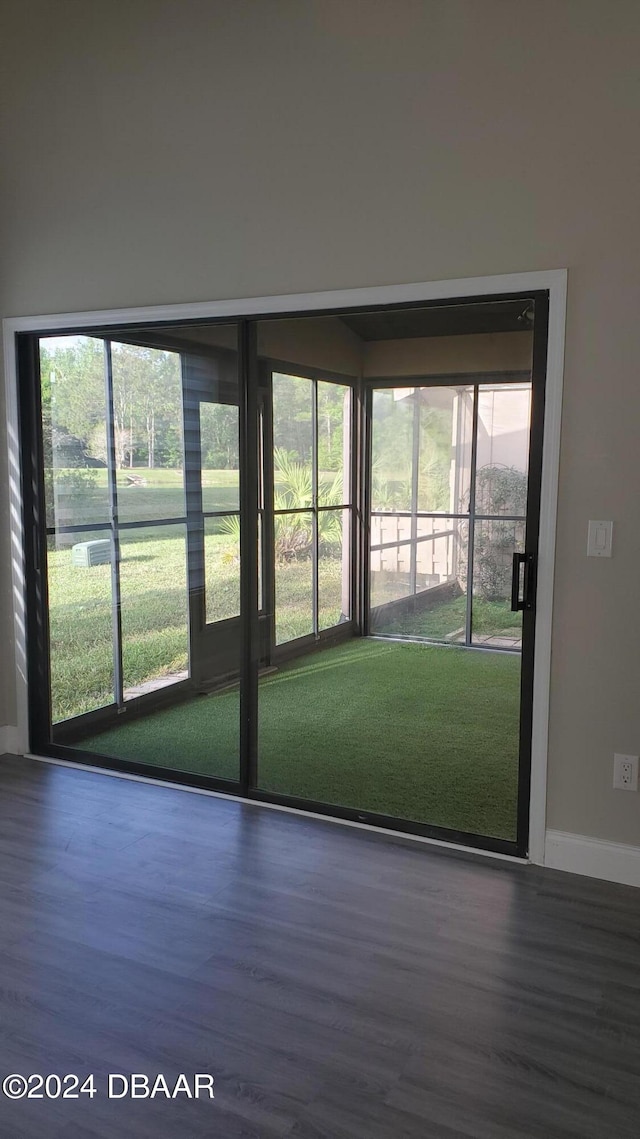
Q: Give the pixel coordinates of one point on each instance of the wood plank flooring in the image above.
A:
(338, 984)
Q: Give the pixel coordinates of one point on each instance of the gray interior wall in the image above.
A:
(177, 150)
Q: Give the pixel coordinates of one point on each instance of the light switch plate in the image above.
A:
(599, 539)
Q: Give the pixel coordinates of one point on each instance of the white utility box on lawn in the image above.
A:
(97, 553)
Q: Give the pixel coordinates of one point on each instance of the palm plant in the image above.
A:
(293, 482)
(292, 498)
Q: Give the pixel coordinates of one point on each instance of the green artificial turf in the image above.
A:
(414, 731)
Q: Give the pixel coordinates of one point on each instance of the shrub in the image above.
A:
(499, 490)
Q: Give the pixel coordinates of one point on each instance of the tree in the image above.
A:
(219, 436)
(147, 400)
(331, 407)
(73, 389)
(292, 416)
(147, 404)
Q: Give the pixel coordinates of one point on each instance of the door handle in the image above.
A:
(526, 600)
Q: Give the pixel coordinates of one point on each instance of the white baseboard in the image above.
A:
(9, 740)
(593, 857)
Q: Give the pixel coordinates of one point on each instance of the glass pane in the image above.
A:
(392, 448)
(428, 734)
(293, 576)
(74, 417)
(334, 569)
(220, 444)
(444, 452)
(493, 623)
(334, 444)
(80, 623)
(418, 586)
(292, 441)
(222, 567)
(153, 588)
(149, 443)
(504, 418)
(198, 734)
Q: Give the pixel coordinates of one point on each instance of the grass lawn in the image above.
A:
(154, 611)
(154, 619)
(413, 731)
(490, 618)
(154, 587)
(159, 495)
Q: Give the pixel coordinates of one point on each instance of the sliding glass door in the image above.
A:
(294, 558)
(140, 470)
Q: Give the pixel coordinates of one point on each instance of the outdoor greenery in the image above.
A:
(154, 614)
(394, 421)
(147, 407)
(154, 620)
(147, 402)
(402, 729)
(293, 490)
(499, 490)
(447, 621)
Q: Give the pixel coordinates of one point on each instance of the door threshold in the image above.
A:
(407, 836)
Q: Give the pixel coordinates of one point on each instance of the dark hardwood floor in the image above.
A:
(338, 984)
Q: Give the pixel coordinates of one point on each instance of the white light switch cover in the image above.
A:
(599, 539)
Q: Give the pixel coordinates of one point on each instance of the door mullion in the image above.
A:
(249, 503)
(364, 468)
(315, 522)
(116, 597)
(472, 519)
(268, 528)
(192, 459)
(415, 479)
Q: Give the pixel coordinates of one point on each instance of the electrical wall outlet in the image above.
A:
(625, 772)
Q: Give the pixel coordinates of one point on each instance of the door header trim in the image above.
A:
(285, 304)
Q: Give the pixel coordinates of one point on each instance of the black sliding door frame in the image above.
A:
(249, 524)
(252, 509)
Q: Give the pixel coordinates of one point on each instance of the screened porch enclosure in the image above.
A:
(258, 540)
(448, 510)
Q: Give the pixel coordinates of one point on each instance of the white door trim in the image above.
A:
(555, 280)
